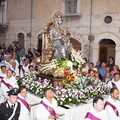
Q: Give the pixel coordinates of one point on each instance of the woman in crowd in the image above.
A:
(107, 77)
(115, 70)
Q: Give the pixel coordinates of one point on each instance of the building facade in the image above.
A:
(94, 23)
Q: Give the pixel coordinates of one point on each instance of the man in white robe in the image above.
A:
(97, 112)
(25, 107)
(8, 82)
(24, 68)
(15, 68)
(115, 82)
(47, 109)
(112, 105)
(3, 71)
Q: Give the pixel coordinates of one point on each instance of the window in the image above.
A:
(71, 7)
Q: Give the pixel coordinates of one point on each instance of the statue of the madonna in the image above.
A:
(59, 39)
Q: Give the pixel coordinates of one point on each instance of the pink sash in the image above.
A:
(113, 84)
(25, 103)
(91, 116)
(6, 84)
(113, 107)
(50, 109)
(21, 68)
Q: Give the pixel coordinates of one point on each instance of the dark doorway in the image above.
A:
(107, 49)
(21, 39)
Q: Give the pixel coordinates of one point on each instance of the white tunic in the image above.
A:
(101, 115)
(16, 70)
(110, 112)
(42, 113)
(2, 98)
(12, 81)
(117, 83)
(24, 112)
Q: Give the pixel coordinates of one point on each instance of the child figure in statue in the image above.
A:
(58, 38)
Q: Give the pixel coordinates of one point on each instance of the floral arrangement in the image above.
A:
(77, 85)
(34, 83)
(83, 88)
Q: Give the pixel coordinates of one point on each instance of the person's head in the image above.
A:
(48, 93)
(116, 76)
(26, 62)
(3, 69)
(114, 93)
(116, 68)
(111, 59)
(92, 73)
(9, 73)
(98, 103)
(107, 75)
(23, 90)
(91, 65)
(13, 95)
(31, 68)
(14, 56)
(13, 63)
(107, 69)
(98, 63)
(103, 65)
(7, 58)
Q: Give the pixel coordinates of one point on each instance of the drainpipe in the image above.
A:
(90, 36)
(31, 22)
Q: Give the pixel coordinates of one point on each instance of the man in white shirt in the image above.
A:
(8, 82)
(112, 105)
(97, 111)
(115, 81)
(25, 107)
(47, 109)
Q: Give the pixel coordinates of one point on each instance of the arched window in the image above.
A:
(21, 39)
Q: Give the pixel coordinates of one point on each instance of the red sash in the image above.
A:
(25, 103)
(21, 68)
(91, 116)
(113, 107)
(6, 84)
(113, 84)
(50, 109)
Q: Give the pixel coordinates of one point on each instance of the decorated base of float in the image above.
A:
(70, 82)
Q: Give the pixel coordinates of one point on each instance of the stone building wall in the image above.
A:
(79, 25)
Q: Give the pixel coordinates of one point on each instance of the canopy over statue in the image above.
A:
(59, 37)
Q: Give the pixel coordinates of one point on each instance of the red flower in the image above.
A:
(65, 74)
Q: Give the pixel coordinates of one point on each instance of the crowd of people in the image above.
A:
(105, 72)
(14, 104)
